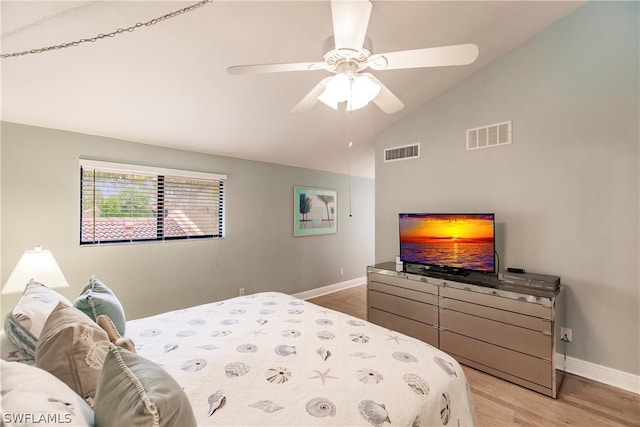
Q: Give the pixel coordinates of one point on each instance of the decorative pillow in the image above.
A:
(12, 353)
(72, 347)
(32, 396)
(24, 324)
(96, 299)
(134, 391)
(105, 323)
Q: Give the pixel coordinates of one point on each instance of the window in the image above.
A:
(128, 203)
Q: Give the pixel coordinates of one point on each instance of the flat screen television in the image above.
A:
(450, 243)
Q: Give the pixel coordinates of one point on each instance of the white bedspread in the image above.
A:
(282, 361)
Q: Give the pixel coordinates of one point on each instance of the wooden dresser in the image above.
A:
(510, 334)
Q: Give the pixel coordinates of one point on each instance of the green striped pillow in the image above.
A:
(24, 323)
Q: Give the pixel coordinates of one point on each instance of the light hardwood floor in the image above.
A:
(580, 402)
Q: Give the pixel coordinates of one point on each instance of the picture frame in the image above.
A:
(315, 211)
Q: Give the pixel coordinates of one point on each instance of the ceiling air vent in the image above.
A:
(402, 153)
(489, 136)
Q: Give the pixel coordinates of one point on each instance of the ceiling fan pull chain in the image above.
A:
(349, 112)
(111, 34)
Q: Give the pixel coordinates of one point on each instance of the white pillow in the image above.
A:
(32, 396)
(24, 324)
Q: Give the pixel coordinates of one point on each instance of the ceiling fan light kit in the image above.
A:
(356, 90)
(348, 52)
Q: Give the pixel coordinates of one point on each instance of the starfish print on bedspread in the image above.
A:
(322, 376)
(395, 338)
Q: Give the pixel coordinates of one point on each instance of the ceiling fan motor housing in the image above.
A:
(346, 60)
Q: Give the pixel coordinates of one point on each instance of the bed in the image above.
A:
(278, 360)
(271, 359)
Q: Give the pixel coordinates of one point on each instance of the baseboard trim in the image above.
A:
(313, 293)
(602, 374)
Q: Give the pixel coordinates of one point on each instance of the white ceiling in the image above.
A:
(167, 84)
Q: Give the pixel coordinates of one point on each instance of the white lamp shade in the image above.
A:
(327, 99)
(364, 90)
(38, 264)
(336, 90)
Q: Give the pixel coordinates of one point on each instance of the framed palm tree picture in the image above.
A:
(314, 211)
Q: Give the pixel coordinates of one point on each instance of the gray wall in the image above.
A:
(40, 205)
(566, 192)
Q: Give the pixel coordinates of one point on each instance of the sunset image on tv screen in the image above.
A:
(453, 240)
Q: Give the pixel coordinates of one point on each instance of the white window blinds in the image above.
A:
(128, 203)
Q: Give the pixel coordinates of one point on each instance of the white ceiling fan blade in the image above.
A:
(311, 98)
(386, 100)
(461, 54)
(350, 21)
(276, 68)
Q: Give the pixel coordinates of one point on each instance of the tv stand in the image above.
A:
(510, 334)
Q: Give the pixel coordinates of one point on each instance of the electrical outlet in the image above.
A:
(566, 334)
(241, 291)
(342, 271)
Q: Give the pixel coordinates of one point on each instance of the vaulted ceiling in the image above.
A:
(167, 84)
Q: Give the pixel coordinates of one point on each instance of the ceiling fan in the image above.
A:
(348, 54)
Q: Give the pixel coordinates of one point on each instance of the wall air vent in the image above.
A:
(489, 136)
(405, 152)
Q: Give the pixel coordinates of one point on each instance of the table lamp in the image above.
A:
(37, 264)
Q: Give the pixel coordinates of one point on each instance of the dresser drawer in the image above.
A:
(513, 337)
(511, 362)
(420, 286)
(405, 307)
(404, 292)
(522, 307)
(421, 331)
(525, 321)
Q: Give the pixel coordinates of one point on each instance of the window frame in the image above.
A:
(160, 173)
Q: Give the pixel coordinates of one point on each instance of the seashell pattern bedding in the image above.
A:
(271, 359)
